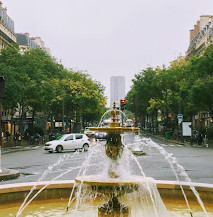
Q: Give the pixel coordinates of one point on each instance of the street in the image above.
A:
(33, 163)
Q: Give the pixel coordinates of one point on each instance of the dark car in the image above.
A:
(100, 135)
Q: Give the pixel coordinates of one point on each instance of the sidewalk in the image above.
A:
(5, 149)
(209, 144)
(8, 146)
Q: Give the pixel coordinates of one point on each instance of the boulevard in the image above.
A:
(197, 162)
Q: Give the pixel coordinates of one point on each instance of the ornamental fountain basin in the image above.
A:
(53, 200)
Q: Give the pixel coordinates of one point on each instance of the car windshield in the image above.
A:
(62, 138)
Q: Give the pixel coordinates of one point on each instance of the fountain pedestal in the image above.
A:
(113, 208)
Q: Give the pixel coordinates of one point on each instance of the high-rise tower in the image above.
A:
(117, 89)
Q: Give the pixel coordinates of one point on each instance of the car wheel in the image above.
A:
(50, 151)
(85, 147)
(59, 148)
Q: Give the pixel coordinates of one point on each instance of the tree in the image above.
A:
(37, 83)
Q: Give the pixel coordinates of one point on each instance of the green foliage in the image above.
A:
(35, 82)
(209, 133)
(183, 87)
(202, 94)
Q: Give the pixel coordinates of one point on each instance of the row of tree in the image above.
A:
(185, 86)
(37, 83)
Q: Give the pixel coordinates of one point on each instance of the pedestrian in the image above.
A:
(16, 137)
(19, 138)
(199, 138)
(58, 136)
(7, 134)
(37, 138)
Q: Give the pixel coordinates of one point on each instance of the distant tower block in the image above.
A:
(117, 90)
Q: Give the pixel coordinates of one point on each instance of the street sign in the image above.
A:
(180, 116)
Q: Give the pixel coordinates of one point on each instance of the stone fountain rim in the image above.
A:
(67, 184)
(14, 193)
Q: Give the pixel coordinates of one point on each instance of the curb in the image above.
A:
(7, 174)
(18, 148)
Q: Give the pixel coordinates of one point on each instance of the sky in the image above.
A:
(110, 37)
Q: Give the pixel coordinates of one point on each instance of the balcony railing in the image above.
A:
(6, 20)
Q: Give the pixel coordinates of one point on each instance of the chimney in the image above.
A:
(195, 29)
(191, 34)
(0, 4)
(198, 26)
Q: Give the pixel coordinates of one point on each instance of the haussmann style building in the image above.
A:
(7, 35)
(201, 35)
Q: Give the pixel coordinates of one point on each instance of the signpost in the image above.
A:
(180, 118)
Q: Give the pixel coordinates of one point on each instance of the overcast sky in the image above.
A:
(110, 37)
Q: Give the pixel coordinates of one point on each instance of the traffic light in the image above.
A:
(122, 104)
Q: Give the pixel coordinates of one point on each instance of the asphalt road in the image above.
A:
(38, 164)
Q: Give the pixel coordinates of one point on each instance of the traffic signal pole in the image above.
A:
(122, 107)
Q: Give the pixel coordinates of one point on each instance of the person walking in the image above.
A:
(199, 138)
(58, 136)
(19, 138)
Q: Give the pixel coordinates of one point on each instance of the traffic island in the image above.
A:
(7, 174)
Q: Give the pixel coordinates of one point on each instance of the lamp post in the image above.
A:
(63, 116)
(2, 86)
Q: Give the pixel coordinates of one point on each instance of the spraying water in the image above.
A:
(176, 168)
(102, 117)
(62, 159)
(114, 161)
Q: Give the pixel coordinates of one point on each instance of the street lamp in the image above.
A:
(63, 116)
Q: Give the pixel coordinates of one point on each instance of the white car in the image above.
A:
(68, 142)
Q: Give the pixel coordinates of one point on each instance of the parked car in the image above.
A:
(89, 132)
(100, 135)
(129, 123)
(68, 142)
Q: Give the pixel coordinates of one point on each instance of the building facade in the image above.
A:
(7, 35)
(26, 42)
(201, 35)
(117, 89)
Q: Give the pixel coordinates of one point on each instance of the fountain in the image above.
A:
(116, 192)
(114, 149)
